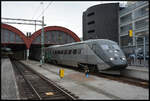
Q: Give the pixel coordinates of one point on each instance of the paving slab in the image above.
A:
(136, 72)
(9, 89)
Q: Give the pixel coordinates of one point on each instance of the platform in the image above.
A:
(92, 87)
(9, 89)
(136, 72)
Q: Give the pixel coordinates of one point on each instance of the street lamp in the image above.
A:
(42, 39)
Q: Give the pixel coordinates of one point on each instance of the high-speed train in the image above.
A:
(102, 55)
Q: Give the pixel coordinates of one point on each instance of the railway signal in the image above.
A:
(61, 73)
(130, 33)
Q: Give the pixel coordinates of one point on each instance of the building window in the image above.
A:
(141, 24)
(90, 14)
(141, 12)
(91, 22)
(91, 31)
(126, 40)
(125, 28)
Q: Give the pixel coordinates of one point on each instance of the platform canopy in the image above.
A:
(12, 35)
(52, 35)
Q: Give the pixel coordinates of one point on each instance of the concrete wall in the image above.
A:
(101, 22)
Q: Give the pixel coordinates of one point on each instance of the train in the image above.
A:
(6, 52)
(100, 55)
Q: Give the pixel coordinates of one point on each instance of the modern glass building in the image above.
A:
(134, 17)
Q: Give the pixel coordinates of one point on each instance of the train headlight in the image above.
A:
(123, 58)
(116, 51)
(111, 59)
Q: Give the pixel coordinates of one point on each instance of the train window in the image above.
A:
(105, 47)
(55, 52)
(79, 51)
(69, 51)
(65, 52)
(61, 51)
(74, 51)
(58, 51)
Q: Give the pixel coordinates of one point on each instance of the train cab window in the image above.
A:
(116, 47)
(105, 47)
(74, 51)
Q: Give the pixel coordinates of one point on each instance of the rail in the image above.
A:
(40, 84)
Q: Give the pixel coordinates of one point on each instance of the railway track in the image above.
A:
(35, 86)
(128, 80)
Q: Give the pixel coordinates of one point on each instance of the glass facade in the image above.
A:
(135, 17)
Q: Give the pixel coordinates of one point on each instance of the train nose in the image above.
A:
(118, 60)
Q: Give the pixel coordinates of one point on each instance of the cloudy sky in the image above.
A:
(56, 13)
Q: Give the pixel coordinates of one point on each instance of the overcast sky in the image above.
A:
(65, 13)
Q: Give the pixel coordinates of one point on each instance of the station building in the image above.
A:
(134, 17)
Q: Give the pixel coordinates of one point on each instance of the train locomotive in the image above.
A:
(102, 55)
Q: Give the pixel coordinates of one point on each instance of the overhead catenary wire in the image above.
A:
(36, 11)
(45, 9)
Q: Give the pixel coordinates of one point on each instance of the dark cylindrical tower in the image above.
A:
(101, 22)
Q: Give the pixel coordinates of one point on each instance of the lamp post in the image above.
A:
(42, 42)
(42, 39)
